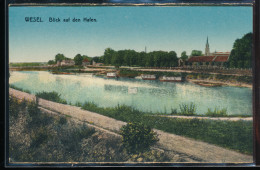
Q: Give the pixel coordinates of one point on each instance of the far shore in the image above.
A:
(103, 70)
(221, 83)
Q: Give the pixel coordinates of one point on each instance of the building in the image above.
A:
(97, 64)
(207, 51)
(67, 62)
(85, 62)
(209, 59)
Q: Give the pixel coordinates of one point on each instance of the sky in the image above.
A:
(172, 28)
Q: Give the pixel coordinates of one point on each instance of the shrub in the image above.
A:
(39, 137)
(62, 120)
(91, 106)
(217, 112)
(137, 137)
(20, 89)
(188, 109)
(174, 111)
(52, 96)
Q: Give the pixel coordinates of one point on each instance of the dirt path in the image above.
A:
(197, 150)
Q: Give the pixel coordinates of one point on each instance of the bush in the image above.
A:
(188, 109)
(91, 106)
(52, 96)
(20, 89)
(217, 112)
(174, 111)
(62, 120)
(137, 137)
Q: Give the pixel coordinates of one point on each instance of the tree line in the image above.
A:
(240, 57)
(133, 58)
(78, 59)
(241, 54)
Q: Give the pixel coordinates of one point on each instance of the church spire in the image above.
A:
(207, 53)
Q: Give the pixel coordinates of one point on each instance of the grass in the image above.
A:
(52, 96)
(217, 112)
(188, 109)
(236, 135)
(20, 89)
(221, 77)
(29, 64)
(36, 136)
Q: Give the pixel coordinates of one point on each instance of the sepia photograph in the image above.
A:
(133, 85)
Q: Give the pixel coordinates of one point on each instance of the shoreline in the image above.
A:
(195, 81)
(168, 141)
(249, 118)
(199, 116)
(201, 82)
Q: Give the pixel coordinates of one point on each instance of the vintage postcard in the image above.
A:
(130, 84)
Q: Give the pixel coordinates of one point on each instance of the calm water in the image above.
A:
(145, 95)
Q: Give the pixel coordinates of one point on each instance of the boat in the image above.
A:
(148, 77)
(208, 84)
(171, 79)
(111, 75)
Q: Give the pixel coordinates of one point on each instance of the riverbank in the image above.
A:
(203, 78)
(37, 134)
(170, 141)
(213, 83)
(210, 118)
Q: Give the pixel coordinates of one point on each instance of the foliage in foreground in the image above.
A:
(236, 135)
(217, 112)
(35, 136)
(20, 89)
(52, 96)
(188, 109)
(137, 137)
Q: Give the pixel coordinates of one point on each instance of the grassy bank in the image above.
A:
(134, 73)
(36, 136)
(28, 64)
(195, 76)
(233, 135)
(20, 89)
(236, 135)
(69, 69)
(221, 78)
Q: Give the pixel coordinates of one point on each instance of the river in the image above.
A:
(145, 95)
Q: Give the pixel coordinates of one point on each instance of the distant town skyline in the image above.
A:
(154, 28)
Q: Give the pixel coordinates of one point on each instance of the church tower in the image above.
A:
(207, 53)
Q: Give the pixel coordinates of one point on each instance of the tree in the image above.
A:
(59, 57)
(51, 62)
(78, 59)
(241, 54)
(97, 59)
(137, 137)
(109, 52)
(196, 53)
(174, 59)
(184, 55)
